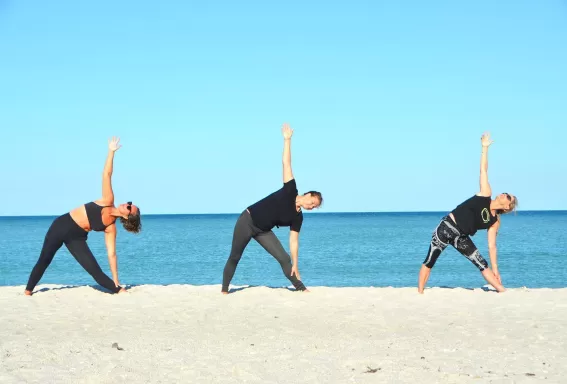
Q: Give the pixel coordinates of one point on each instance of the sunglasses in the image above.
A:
(508, 196)
(129, 206)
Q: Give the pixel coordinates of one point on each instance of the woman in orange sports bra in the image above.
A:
(73, 227)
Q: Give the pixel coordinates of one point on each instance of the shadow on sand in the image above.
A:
(485, 289)
(234, 290)
(96, 287)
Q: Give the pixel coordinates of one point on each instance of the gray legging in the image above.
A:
(244, 230)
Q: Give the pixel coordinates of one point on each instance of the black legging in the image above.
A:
(244, 230)
(64, 230)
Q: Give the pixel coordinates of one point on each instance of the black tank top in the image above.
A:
(94, 215)
(474, 214)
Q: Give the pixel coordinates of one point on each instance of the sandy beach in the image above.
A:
(193, 334)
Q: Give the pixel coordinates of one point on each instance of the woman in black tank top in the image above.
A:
(72, 230)
(476, 213)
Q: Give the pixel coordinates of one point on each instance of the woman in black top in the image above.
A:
(73, 227)
(478, 212)
(282, 209)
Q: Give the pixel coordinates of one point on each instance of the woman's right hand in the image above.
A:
(113, 144)
(295, 272)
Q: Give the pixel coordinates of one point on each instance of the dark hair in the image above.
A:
(317, 195)
(133, 223)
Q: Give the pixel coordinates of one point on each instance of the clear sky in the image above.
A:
(388, 100)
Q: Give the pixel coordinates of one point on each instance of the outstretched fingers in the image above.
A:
(287, 131)
(114, 144)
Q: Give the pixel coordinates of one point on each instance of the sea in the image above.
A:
(336, 250)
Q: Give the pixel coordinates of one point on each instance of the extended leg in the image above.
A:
(439, 241)
(270, 242)
(51, 245)
(240, 239)
(466, 247)
(82, 253)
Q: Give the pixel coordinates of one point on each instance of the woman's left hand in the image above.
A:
(485, 140)
(287, 132)
(497, 275)
(113, 144)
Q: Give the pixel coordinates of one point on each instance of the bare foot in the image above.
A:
(122, 290)
(224, 293)
(306, 290)
(27, 293)
(420, 291)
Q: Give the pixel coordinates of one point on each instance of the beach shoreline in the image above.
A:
(184, 333)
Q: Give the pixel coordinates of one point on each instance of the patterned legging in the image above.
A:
(447, 233)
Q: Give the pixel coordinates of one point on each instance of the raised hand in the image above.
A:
(113, 144)
(485, 140)
(287, 132)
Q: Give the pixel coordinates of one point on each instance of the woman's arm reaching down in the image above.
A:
(287, 133)
(107, 192)
(294, 251)
(485, 189)
(492, 250)
(110, 240)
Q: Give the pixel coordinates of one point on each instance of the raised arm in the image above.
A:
(492, 251)
(107, 193)
(287, 133)
(485, 189)
(110, 240)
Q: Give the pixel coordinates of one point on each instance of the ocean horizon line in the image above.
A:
(309, 213)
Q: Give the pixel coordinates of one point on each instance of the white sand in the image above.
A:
(188, 334)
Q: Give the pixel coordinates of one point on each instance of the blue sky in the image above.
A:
(388, 101)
